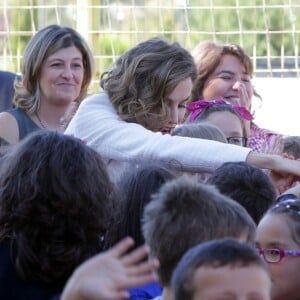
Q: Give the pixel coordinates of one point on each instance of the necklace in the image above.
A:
(43, 124)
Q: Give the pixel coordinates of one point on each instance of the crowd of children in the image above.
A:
(167, 155)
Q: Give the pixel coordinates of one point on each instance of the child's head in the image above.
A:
(228, 118)
(278, 238)
(57, 205)
(184, 213)
(201, 130)
(246, 184)
(219, 269)
(136, 188)
(292, 146)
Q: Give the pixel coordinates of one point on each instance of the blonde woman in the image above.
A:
(57, 69)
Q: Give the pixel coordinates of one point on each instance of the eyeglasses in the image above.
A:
(237, 140)
(273, 255)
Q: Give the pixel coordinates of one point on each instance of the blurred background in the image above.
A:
(269, 30)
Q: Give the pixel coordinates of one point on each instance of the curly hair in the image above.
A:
(143, 77)
(56, 205)
(207, 56)
(44, 43)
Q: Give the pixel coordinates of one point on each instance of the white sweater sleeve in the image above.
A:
(97, 122)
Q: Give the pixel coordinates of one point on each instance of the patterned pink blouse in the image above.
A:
(264, 140)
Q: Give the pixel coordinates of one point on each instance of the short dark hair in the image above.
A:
(214, 254)
(246, 184)
(292, 146)
(186, 212)
(136, 189)
(56, 202)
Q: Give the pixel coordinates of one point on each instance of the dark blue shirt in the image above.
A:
(147, 291)
(12, 287)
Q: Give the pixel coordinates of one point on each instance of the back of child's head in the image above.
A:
(184, 213)
(213, 254)
(200, 130)
(136, 187)
(292, 146)
(56, 204)
(246, 184)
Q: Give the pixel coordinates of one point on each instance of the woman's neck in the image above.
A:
(54, 117)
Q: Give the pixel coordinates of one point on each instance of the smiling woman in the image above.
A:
(57, 69)
(144, 95)
(224, 71)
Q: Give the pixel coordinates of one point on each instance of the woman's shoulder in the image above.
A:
(95, 106)
(9, 127)
(96, 99)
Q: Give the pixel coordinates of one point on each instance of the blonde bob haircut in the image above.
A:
(141, 80)
(44, 43)
(208, 55)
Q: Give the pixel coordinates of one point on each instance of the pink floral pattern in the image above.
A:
(264, 140)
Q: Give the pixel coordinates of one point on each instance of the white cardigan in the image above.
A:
(97, 123)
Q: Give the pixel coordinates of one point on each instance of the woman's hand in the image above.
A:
(245, 99)
(284, 171)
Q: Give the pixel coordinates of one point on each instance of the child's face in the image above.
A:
(228, 123)
(232, 283)
(273, 231)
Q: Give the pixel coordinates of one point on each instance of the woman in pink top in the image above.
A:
(224, 71)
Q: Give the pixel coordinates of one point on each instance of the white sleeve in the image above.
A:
(97, 123)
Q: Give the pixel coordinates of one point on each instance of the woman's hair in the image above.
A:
(208, 55)
(143, 77)
(44, 43)
(290, 209)
(137, 187)
(220, 108)
(56, 205)
(201, 131)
